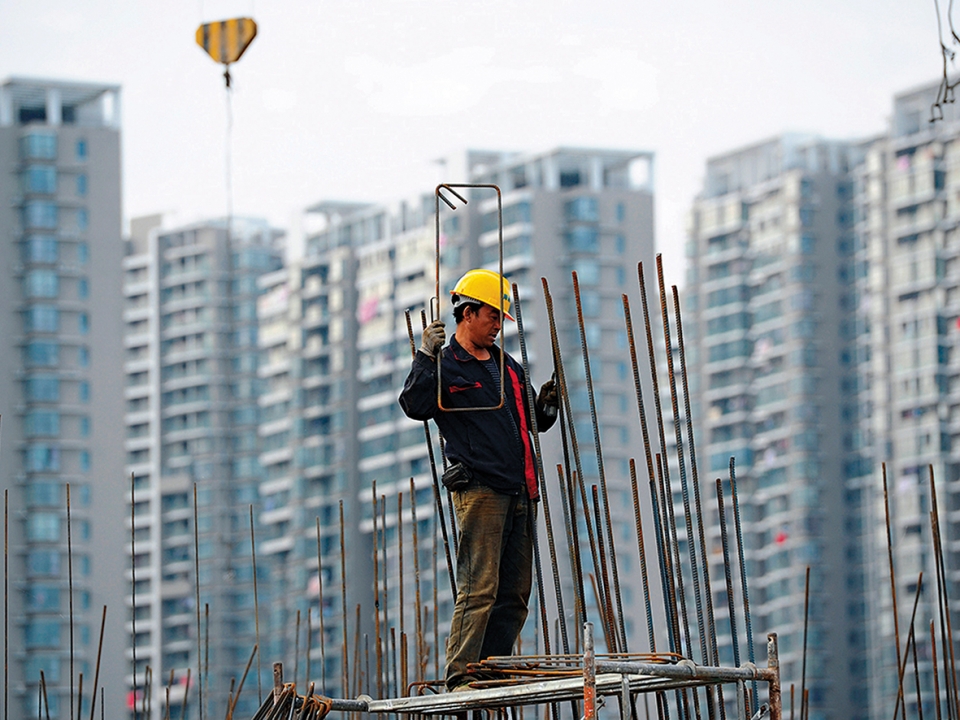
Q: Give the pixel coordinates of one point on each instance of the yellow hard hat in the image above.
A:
(485, 286)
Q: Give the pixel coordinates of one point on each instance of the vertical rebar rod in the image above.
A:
(401, 584)
(599, 588)
(728, 577)
(43, 690)
(644, 577)
(206, 656)
(893, 577)
(751, 655)
(436, 606)
(695, 481)
(606, 611)
(391, 655)
(541, 481)
(916, 672)
(936, 674)
(681, 461)
(662, 532)
(70, 596)
(946, 597)
(566, 418)
(309, 642)
(296, 652)
(96, 674)
(589, 674)
(949, 680)
(256, 603)
(376, 589)
(416, 577)
(186, 696)
(911, 641)
(591, 398)
(806, 625)
(404, 667)
(345, 653)
(356, 653)
(196, 569)
(437, 497)
(80, 694)
(323, 637)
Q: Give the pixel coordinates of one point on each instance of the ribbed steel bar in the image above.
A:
(893, 577)
(664, 543)
(751, 655)
(376, 591)
(609, 639)
(677, 612)
(256, 601)
(43, 690)
(911, 641)
(695, 481)
(544, 494)
(96, 674)
(186, 696)
(946, 597)
(416, 578)
(296, 651)
(589, 674)
(688, 518)
(437, 497)
(608, 611)
(401, 583)
(323, 636)
(728, 577)
(566, 418)
(806, 625)
(949, 680)
(70, 597)
(644, 576)
(345, 650)
(611, 545)
(936, 674)
(391, 669)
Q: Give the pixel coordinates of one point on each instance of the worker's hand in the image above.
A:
(433, 338)
(548, 396)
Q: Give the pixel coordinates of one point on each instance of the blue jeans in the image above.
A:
(494, 576)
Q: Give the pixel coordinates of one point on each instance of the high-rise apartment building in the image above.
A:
(192, 416)
(768, 313)
(336, 347)
(60, 401)
(908, 281)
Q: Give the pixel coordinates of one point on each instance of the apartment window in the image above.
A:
(42, 283)
(42, 388)
(83, 253)
(583, 239)
(84, 461)
(83, 219)
(621, 245)
(81, 185)
(38, 146)
(42, 457)
(42, 423)
(42, 353)
(43, 563)
(83, 323)
(83, 288)
(621, 212)
(40, 179)
(83, 356)
(40, 214)
(42, 634)
(84, 426)
(43, 527)
(582, 209)
(588, 271)
(41, 249)
(81, 149)
(41, 318)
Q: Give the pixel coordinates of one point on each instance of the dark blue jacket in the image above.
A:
(495, 444)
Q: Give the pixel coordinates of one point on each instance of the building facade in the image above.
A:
(769, 300)
(60, 401)
(192, 418)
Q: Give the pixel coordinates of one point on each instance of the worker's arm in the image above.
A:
(418, 399)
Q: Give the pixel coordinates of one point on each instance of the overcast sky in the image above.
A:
(348, 100)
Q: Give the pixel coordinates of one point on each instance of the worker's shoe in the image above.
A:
(464, 684)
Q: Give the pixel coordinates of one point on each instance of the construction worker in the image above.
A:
(491, 473)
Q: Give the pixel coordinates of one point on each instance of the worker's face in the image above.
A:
(483, 325)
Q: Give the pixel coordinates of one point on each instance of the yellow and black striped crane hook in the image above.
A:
(226, 40)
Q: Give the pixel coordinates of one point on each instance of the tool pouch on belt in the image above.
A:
(456, 477)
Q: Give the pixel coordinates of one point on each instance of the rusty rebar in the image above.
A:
(902, 666)
(296, 652)
(806, 625)
(936, 674)
(615, 574)
(256, 602)
(401, 584)
(728, 577)
(96, 675)
(345, 652)
(376, 588)
(70, 597)
(323, 637)
(437, 497)
(416, 576)
(946, 597)
(893, 580)
(644, 576)
(743, 568)
(133, 587)
(43, 691)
